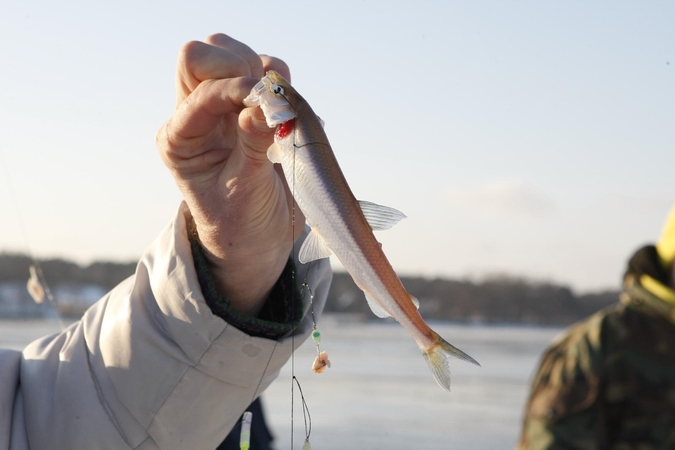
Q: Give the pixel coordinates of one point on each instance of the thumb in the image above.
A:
(255, 136)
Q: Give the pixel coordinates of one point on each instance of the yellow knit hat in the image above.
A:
(666, 245)
(665, 249)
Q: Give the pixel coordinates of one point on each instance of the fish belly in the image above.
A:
(320, 202)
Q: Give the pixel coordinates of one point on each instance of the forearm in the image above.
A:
(151, 365)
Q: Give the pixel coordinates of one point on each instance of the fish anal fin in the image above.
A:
(378, 310)
(380, 217)
(314, 248)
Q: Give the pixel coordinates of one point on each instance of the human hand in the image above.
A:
(216, 150)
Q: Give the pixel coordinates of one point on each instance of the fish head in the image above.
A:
(274, 95)
(278, 85)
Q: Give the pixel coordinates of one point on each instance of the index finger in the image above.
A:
(194, 124)
(272, 63)
(198, 61)
(240, 49)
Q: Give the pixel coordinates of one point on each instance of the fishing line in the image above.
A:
(315, 334)
(38, 287)
(306, 416)
(246, 418)
(245, 437)
(264, 371)
(294, 379)
(293, 280)
(15, 204)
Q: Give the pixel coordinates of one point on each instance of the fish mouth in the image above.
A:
(277, 108)
(264, 87)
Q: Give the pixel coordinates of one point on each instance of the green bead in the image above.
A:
(316, 336)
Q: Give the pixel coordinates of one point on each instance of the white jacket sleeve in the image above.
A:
(148, 367)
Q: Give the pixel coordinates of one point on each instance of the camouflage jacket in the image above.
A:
(609, 381)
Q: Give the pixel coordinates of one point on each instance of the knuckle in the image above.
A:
(166, 143)
(190, 52)
(217, 38)
(162, 137)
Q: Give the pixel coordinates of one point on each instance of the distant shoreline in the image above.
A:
(499, 300)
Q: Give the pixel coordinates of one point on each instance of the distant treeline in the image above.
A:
(497, 299)
(14, 267)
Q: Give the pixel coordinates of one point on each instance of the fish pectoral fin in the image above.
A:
(380, 217)
(378, 310)
(274, 153)
(314, 248)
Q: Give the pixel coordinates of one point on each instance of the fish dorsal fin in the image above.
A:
(380, 217)
(378, 310)
(274, 153)
(313, 248)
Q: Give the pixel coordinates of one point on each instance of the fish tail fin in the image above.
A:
(437, 359)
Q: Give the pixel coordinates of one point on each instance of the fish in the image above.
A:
(340, 224)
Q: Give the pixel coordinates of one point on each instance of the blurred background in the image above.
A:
(529, 143)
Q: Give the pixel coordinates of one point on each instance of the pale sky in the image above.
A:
(530, 138)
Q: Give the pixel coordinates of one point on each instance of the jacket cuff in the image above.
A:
(280, 314)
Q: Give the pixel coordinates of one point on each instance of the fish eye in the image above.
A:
(277, 89)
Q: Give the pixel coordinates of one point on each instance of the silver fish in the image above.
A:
(340, 224)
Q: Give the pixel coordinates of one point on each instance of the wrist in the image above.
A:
(243, 270)
(281, 312)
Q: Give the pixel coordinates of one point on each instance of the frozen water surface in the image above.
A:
(379, 393)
